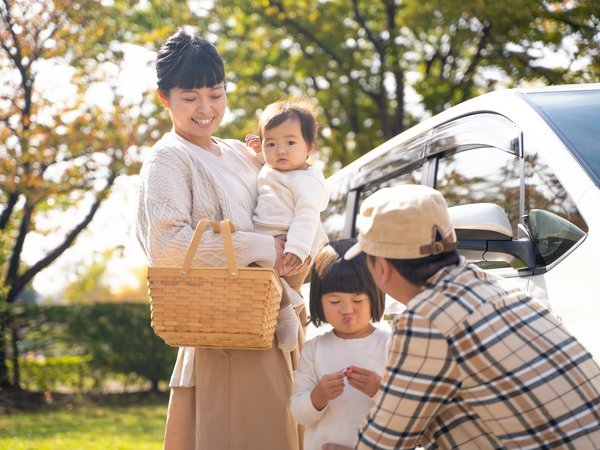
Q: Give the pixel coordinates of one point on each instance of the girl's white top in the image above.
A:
(339, 421)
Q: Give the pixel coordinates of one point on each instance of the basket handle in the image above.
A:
(225, 227)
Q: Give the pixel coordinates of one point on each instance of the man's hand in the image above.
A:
(253, 141)
(366, 381)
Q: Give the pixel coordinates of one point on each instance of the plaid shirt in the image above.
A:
(473, 365)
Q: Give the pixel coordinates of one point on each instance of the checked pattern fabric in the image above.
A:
(474, 365)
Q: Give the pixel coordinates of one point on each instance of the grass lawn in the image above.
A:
(121, 423)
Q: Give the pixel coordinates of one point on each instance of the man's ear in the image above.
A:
(384, 269)
(163, 98)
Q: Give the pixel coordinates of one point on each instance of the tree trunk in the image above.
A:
(15, 358)
(4, 379)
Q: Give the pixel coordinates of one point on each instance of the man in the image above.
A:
(473, 364)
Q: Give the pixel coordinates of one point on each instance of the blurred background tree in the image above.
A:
(59, 157)
(366, 62)
(374, 68)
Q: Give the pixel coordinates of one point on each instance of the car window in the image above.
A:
(553, 219)
(410, 177)
(334, 216)
(480, 176)
(573, 115)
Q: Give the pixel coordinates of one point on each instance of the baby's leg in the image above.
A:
(287, 319)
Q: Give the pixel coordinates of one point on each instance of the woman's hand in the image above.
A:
(366, 381)
(253, 141)
(330, 386)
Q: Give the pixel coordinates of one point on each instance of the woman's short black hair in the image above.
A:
(332, 273)
(188, 61)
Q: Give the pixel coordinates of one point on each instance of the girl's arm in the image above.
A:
(330, 386)
(305, 381)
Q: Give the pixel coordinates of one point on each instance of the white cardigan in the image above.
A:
(180, 184)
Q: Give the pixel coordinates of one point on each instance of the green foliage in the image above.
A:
(59, 154)
(48, 374)
(119, 339)
(81, 346)
(361, 59)
(86, 427)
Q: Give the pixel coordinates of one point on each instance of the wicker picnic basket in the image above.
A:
(214, 307)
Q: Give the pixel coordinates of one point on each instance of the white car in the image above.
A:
(520, 170)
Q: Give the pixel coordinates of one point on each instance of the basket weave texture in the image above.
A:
(214, 307)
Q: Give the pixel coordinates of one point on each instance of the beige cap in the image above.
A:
(401, 223)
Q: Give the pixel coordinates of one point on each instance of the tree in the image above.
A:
(59, 156)
(360, 59)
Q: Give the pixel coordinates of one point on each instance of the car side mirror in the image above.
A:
(484, 233)
(551, 234)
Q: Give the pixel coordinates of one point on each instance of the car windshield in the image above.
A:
(575, 116)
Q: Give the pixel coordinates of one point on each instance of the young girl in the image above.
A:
(340, 371)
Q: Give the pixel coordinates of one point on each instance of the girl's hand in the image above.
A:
(253, 141)
(330, 386)
(366, 381)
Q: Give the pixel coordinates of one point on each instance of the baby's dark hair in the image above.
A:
(188, 61)
(332, 273)
(293, 108)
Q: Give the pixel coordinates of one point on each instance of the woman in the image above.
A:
(220, 399)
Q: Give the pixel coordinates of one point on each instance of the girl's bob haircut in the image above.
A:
(332, 273)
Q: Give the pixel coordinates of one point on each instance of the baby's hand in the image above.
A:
(366, 381)
(253, 141)
(291, 263)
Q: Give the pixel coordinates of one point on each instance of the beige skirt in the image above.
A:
(240, 401)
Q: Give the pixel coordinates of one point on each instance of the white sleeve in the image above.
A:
(305, 380)
(164, 224)
(311, 197)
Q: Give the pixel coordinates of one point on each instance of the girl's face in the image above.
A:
(349, 314)
(284, 147)
(196, 113)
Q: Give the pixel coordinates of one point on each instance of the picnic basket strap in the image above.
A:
(189, 256)
(226, 227)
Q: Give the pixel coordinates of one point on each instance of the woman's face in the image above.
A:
(196, 113)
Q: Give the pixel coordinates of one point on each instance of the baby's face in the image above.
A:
(284, 147)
